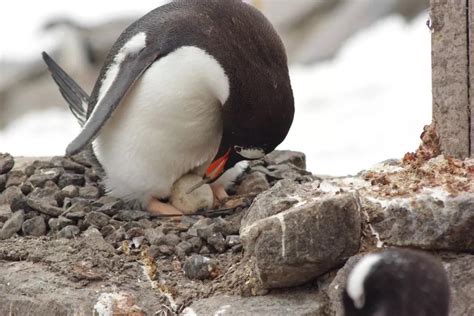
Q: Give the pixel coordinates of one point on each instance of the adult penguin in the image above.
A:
(192, 86)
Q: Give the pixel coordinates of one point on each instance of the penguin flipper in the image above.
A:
(123, 76)
(75, 96)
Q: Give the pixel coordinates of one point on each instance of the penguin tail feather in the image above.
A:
(74, 95)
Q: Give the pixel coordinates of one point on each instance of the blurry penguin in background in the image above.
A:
(397, 282)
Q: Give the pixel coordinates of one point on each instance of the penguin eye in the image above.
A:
(237, 149)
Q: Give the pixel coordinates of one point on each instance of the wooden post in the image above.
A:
(452, 66)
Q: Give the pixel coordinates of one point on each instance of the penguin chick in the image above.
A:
(397, 282)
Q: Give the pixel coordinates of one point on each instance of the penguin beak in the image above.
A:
(213, 171)
(217, 166)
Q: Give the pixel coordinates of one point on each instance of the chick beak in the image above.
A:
(213, 171)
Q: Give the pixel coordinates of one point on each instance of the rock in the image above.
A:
(56, 224)
(41, 176)
(5, 212)
(6, 163)
(35, 226)
(232, 240)
(189, 203)
(70, 231)
(200, 224)
(12, 225)
(116, 236)
(254, 182)
(217, 241)
(94, 240)
(3, 182)
(68, 165)
(71, 179)
(154, 236)
(171, 239)
(26, 187)
(89, 192)
(131, 215)
(78, 210)
(96, 219)
(200, 267)
(10, 194)
(183, 248)
(70, 191)
(166, 250)
(45, 194)
(44, 206)
(153, 251)
(108, 205)
(293, 233)
(196, 242)
(427, 221)
(281, 157)
(15, 178)
(460, 271)
(291, 302)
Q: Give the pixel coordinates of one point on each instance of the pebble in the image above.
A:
(5, 212)
(232, 240)
(41, 176)
(56, 224)
(153, 251)
(131, 215)
(71, 179)
(183, 248)
(10, 194)
(200, 267)
(154, 236)
(196, 242)
(254, 182)
(15, 178)
(117, 236)
(12, 225)
(171, 239)
(96, 219)
(68, 165)
(26, 187)
(69, 232)
(165, 250)
(217, 241)
(44, 206)
(35, 226)
(3, 182)
(6, 163)
(89, 192)
(70, 191)
(200, 224)
(19, 203)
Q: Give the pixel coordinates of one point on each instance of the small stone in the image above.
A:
(131, 215)
(171, 239)
(279, 157)
(217, 241)
(27, 187)
(12, 225)
(166, 250)
(5, 212)
(200, 224)
(91, 175)
(153, 251)
(19, 203)
(69, 232)
(10, 194)
(200, 267)
(107, 230)
(116, 237)
(71, 179)
(70, 191)
(45, 194)
(207, 231)
(56, 224)
(227, 227)
(6, 163)
(196, 242)
(68, 165)
(96, 219)
(15, 178)
(254, 182)
(35, 226)
(89, 192)
(154, 236)
(204, 251)
(93, 239)
(43, 206)
(145, 223)
(232, 240)
(41, 176)
(109, 205)
(134, 232)
(183, 248)
(3, 182)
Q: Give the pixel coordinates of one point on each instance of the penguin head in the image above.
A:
(397, 282)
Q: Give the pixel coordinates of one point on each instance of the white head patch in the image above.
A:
(355, 282)
(250, 153)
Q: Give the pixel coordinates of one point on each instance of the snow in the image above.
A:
(366, 105)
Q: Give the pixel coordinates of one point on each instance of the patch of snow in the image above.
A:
(188, 311)
(105, 303)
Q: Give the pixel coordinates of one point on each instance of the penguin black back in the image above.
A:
(397, 282)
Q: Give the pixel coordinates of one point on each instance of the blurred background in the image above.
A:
(360, 70)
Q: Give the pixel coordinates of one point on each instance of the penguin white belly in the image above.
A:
(168, 124)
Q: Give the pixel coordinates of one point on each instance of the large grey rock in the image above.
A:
(427, 221)
(6, 163)
(294, 233)
(35, 226)
(295, 302)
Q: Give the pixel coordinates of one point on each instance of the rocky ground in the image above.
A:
(283, 244)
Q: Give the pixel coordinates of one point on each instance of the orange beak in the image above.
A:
(217, 166)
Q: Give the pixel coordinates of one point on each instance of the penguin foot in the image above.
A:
(159, 208)
(219, 193)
